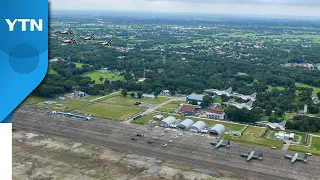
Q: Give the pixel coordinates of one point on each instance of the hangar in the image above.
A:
(217, 130)
(186, 124)
(167, 121)
(198, 126)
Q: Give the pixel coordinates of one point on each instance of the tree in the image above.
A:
(318, 94)
(132, 94)
(101, 79)
(124, 92)
(279, 112)
(193, 102)
(207, 101)
(268, 112)
(139, 94)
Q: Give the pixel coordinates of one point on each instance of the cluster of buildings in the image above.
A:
(190, 125)
(281, 135)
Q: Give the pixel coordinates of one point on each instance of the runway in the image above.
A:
(190, 149)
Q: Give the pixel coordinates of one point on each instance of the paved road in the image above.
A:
(104, 96)
(117, 135)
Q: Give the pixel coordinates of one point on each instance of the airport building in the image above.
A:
(187, 110)
(211, 113)
(186, 124)
(281, 135)
(167, 121)
(196, 97)
(198, 126)
(217, 130)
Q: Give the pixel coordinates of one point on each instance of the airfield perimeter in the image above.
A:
(192, 149)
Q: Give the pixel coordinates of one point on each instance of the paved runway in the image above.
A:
(191, 149)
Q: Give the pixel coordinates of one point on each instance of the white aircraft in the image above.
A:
(87, 38)
(69, 41)
(219, 92)
(251, 97)
(296, 157)
(247, 105)
(252, 155)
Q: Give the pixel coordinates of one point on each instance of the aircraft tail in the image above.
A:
(250, 103)
(92, 36)
(229, 90)
(305, 157)
(261, 155)
(228, 143)
(254, 95)
(283, 123)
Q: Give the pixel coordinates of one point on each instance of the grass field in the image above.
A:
(254, 131)
(79, 65)
(68, 105)
(33, 100)
(172, 106)
(111, 111)
(314, 148)
(109, 76)
(50, 70)
(255, 140)
(129, 101)
(315, 89)
(142, 120)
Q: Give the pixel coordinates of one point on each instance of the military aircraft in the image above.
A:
(251, 155)
(221, 144)
(109, 43)
(296, 157)
(64, 32)
(247, 105)
(220, 92)
(88, 37)
(71, 41)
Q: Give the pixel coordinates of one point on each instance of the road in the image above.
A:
(189, 150)
(104, 96)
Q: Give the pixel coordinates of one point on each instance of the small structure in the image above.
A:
(47, 102)
(281, 135)
(149, 96)
(198, 126)
(61, 98)
(165, 93)
(216, 114)
(187, 110)
(217, 130)
(59, 105)
(196, 97)
(236, 133)
(186, 124)
(158, 117)
(79, 94)
(167, 121)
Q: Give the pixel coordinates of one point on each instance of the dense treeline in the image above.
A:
(304, 124)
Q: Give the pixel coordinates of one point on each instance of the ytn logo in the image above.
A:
(33, 24)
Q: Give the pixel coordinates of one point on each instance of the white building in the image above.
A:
(281, 135)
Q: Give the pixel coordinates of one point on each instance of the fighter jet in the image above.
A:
(221, 144)
(247, 105)
(296, 157)
(70, 41)
(109, 43)
(251, 97)
(88, 37)
(219, 92)
(251, 155)
(64, 32)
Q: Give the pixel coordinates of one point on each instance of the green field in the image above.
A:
(315, 89)
(314, 148)
(129, 101)
(142, 120)
(106, 76)
(170, 107)
(30, 100)
(111, 111)
(50, 70)
(79, 65)
(253, 131)
(68, 104)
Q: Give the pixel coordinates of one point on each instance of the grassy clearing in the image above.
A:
(30, 100)
(280, 88)
(111, 111)
(142, 120)
(172, 106)
(314, 148)
(79, 65)
(315, 89)
(106, 76)
(50, 70)
(255, 140)
(89, 97)
(129, 101)
(68, 105)
(254, 131)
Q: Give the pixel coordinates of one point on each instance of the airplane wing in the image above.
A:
(219, 143)
(250, 156)
(294, 159)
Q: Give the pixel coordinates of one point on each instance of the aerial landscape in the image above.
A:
(162, 96)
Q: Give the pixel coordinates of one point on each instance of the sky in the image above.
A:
(278, 8)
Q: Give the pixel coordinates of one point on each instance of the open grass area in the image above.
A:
(50, 70)
(79, 65)
(170, 107)
(30, 100)
(68, 105)
(254, 131)
(142, 120)
(280, 88)
(314, 148)
(255, 140)
(315, 89)
(129, 101)
(90, 97)
(106, 76)
(112, 111)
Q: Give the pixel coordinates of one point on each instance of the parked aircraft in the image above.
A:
(70, 41)
(109, 43)
(221, 144)
(88, 37)
(219, 92)
(64, 32)
(247, 105)
(296, 157)
(252, 155)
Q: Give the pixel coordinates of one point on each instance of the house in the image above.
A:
(196, 97)
(216, 114)
(149, 96)
(165, 93)
(281, 135)
(187, 110)
(236, 133)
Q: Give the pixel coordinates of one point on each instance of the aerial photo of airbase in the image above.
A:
(141, 95)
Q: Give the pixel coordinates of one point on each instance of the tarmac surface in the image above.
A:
(189, 148)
